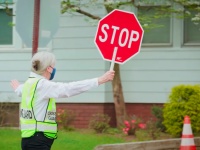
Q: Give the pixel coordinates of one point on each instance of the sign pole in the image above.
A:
(113, 58)
(36, 25)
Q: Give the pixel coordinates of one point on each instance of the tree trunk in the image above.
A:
(120, 108)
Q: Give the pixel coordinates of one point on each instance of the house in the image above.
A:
(169, 56)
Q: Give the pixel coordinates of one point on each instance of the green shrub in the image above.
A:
(65, 118)
(157, 111)
(142, 135)
(113, 131)
(152, 129)
(99, 122)
(7, 110)
(183, 100)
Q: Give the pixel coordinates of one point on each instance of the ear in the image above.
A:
(49, 69)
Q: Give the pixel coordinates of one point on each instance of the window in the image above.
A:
(9, 39)
(185, 21)
(6, 34)
(160, 28)
(191, 28)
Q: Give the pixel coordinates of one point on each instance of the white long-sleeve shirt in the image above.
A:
(47, 89)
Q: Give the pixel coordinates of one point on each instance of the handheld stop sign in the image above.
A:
(119, 36)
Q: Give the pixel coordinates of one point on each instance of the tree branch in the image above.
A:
(88, 14)
(7, 10)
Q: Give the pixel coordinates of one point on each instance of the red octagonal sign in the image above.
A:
(122, 31)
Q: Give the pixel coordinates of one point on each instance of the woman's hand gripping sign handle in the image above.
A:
(108, 76)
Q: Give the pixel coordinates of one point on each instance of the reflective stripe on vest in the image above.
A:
(40, 127)
(28, 122)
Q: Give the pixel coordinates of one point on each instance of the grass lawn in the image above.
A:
(73, 140)
(10, 139)
(80, 139)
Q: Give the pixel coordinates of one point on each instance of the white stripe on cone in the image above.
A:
(187, 129)
(187, 142)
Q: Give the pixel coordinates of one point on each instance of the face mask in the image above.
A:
(53, 74)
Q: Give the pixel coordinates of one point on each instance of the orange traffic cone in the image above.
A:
(187, 141)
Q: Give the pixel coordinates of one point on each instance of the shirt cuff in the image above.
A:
(96, 82)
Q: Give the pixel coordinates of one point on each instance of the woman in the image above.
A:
(38, 108)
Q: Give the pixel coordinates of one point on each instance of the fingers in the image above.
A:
(110, 75)
(14, 84)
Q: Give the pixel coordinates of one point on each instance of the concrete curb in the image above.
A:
(169, 144)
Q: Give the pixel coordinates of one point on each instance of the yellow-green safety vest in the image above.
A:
(28, 122)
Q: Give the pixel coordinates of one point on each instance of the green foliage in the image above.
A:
(152, 130)
(65, 118)
(69, 6)
(7, 109)
(183, 100)
(142, 135)
(158, 113)
(150, 17)
(99, 122)
(113, 131)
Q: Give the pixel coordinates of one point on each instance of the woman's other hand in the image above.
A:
(14, 84)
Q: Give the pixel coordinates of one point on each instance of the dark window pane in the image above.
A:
(191, 29)
(161, 32)
(6, 30)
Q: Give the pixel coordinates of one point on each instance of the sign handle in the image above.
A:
(113, 58)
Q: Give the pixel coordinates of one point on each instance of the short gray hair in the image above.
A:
(42, 60)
